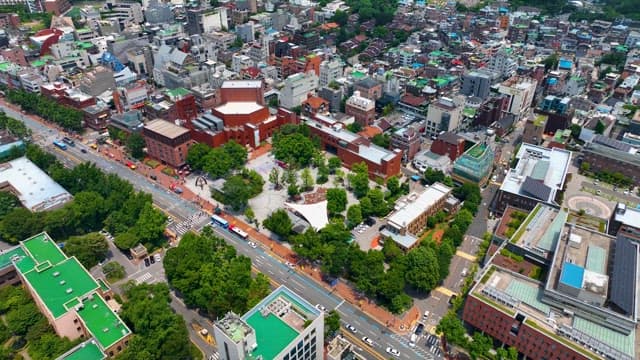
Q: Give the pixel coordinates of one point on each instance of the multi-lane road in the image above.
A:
(262, 260)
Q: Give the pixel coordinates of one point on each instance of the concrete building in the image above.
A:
(534, 129)
(444, 115)
(520, 92)
(537, 177)
(296, 89)
(39, 193)
(330, 70)
(352, 148)
(129, 122)
(369, 88)
(625, 219)
(361, 108)
(96, 116)
(448, 144)
(74, 303)
(408, 140)
(282, 326)
(503, 64)
(203, 19)
(167, 142)
(475, 165)
(333, 96)
(477, 83)
(410, 218)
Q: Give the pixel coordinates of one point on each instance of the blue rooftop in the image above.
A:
(565, 64)
(572, 275)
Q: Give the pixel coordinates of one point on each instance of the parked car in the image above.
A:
(157, 257)
(146, 262)
(419, 329)
(252, 245)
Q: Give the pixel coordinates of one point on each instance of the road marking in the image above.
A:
(445, 291)
(464, 255)
(341, 302)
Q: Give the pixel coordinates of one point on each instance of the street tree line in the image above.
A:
(100, 201)
(68, 118)
(210, 275)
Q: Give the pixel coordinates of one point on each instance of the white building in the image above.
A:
(503, 64)
(444, 115)
(282, 326)
(330, 70)
(296, 88)
(240, 62)
(520, 92)
(214, 20)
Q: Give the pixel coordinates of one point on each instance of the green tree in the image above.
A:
(599, 129)
(366, 207)
(149, 229)
(294, 149)
(237, 153)
(382, 140)
(279, 223)
(431, 176)
(19, 224)
(114, 271)
(393, 185)
(451, 326)
(340, 17)
(136, 145)
(197, 154)
(8, 202)
(551, 62)
(293, 190)
(336, 201)
(258, 290)
(89, 249)
(236, 192)
(422, 269)
(275, 179)
(381, 207)
(354, 215)
(585, 167)
(359, 179)
(331, 323)
(249, 214)
(334, 164)
(307, 180)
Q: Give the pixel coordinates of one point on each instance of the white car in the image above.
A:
(367, 341)
(321, 308)
(157, 257)
(351, 328)
(291, 265)
(252, 245)
(393, 351)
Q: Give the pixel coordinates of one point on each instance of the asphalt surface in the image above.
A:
(263, 262)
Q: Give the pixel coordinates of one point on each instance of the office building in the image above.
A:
(296, 89)
(537, 177)
(444, 115)
(167, 142)
(361, 108)
(283, 326)
(520, 93)
(477, 83)
(475, 165)
(75, 304)
(411, 214)
(39, 193)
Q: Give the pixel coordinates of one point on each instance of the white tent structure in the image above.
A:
(315, 214)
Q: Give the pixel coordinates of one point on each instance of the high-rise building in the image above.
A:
(283, 326)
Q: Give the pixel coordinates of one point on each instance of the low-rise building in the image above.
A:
(408, 140)
(412, 212)
(539, 174)
(475, 165)
(281, 326)
(444, 115)
(39, 193)
(167, 142)
(448, 144)
(534, 130)
(96, 116)
(615, 157)
(361, 108)
(296, 89)
(129, 122)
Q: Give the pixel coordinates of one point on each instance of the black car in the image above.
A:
(153, 261)
(153, 177)
(84, 151)
(146, 262)
(370, 221)
(420, 329)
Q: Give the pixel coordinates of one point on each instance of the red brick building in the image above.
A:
(315, 105)
(361, 108)
(352, 148)
(448, 144)
(64, 95)
(242, 91)
(184, 104)
(56, 7)
(167, 142)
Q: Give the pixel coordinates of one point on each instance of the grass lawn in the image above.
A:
(435, 234)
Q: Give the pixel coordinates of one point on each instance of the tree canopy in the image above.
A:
(279, 223)
(336, 201)
(89, 249)
(136, 145)
(68, 118)
(359, 179)
(217, 162)
(238, 189)
(294, 146)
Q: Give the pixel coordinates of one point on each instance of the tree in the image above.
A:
(354, 215)
(274, 178)
(422, 269)
(237, 153)
(19, 224)
(149, 229)
(600, 127)
(382, 140)
(236, 192)
(293, 190)
(354, 127)
(294, 149)
(258, 290)
(307, 180)
(340, 17)
(585, 167)
(136, 145)
(279, 223)
(359, 179)
(249, 214)
(388, 109)
(197, 154)
(331, 323)
(114, 271)
(551, 62)
(380, 206)
(89, 249)
(290, 176)
(334, 164)
(366, 207)
(452, 328)
(336, 201)
(393, 185)
(8, 202)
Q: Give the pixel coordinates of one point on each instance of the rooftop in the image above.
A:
(242, 84)
(88, 350)
(414, 205)
(627, 215)
(166, 128)
(33, 187)
(541, 230)
(539, 173)
(239, 108)
(101, 321)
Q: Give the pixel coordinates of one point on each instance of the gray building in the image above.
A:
(246, 32)
(477, 83)
(333, 96)
(158, 13)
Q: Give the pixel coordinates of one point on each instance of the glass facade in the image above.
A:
(475, 164)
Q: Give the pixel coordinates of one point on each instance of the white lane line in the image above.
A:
(341, 302)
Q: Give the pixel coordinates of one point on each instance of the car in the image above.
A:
(351, 328)
(146, 262)
(393, 351)
(291, 265)
(128, 255)
(84, 151)
(367, 341)
(252, 245)
(94, 146)
(153, 177)
(157, 257)
(598, 192)
(321, 308)
(370, 221)
(626, 192)
(419, 329)
(103, 232)
(152, 260)
(426, 314)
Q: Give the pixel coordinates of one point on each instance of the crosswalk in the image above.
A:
(424, 354)
(193, 221)
(214, 356)
(143, 278)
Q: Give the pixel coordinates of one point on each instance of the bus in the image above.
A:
(239, 232)
(60, 144)
(217, 220)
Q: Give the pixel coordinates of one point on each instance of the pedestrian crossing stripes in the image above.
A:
(424, 354)
(214, 356)
(143, 278)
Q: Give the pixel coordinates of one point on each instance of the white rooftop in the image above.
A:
(547, 166)
(241, 84)
(414, 208)
(35, 189)
(239, 108)
(627, 215)
(315, 214)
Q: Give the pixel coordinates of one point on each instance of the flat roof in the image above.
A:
(166, 128)
(274, 333)
(35, 189)
(630, 216)
(541, 229)
(619, 341)
(418, 205)
(42, 248)
(241, 84)
(239, 108)
(88, 350)
(405, 241)
(7, 256)
(540, 172)
(102, 322)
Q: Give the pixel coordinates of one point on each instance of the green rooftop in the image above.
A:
(58, 284)
(477, 150)
(84, 44)
(272, 335)
(357, 75)
(621, 342)
(178, 92)
(42, 249)
(85, 351)
(540, 120)
(6, 256)
(528, 294)
(4, 66)
(101, 322)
